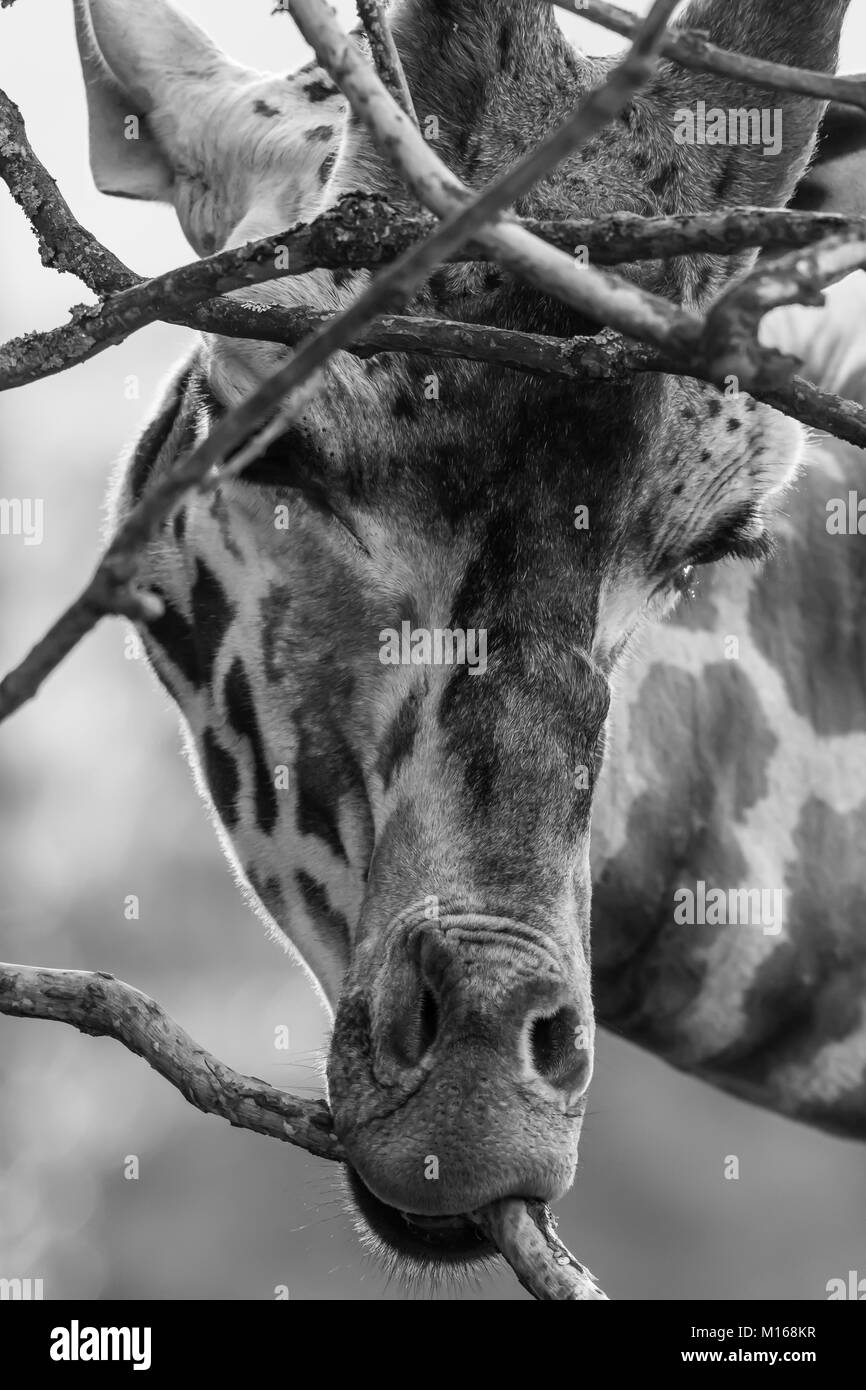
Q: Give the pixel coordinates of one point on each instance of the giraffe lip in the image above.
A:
(434, 1223)
(422, 1239)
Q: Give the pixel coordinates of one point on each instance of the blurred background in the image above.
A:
(98, 804)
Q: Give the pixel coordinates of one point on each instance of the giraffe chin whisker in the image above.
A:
(410, 1243)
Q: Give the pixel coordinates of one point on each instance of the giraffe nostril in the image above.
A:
(559, 1048)
(415, 1030)
(429, 1023)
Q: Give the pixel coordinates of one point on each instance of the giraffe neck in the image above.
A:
(729, 913)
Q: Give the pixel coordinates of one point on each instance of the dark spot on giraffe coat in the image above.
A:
(242, 717)
(663, 183)
(809, 993)
(317, 808)
(269, 892)
(400, 738)
(701, 777)
(176, 637)
(714, 408)
(326, 168)
(404, 406)
(222, 777)
(320, 91)
(326, 769)
(330, 923)
(505, 47)
(734, 424)
(178, 524)
(320, 132)
(212, 615)
(156, 435)
(806, 613)
(730, 166)
(262, 108)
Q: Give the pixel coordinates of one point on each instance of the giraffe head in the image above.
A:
(394, 639)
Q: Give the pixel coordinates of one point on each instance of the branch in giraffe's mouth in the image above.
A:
(522, 1230)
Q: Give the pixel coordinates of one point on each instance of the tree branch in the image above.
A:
(63, 243)
(544, 1266)
(363, 231)
(692, 50)
(729, 343)
(102, 1006)
(385, 56)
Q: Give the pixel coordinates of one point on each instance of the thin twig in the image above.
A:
(385, 55)
(693, 50)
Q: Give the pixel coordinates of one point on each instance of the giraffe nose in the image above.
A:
(540, 1033)
(474, 1064)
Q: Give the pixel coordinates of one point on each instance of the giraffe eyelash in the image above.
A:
(314, 495)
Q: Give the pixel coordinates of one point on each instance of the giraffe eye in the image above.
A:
(684, 581)
(739, 542)
(742, 535)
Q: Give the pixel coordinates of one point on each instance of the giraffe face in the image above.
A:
(394, 638)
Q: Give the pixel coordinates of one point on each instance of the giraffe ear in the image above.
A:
(134, 58)
(125, 159)
(836, 181)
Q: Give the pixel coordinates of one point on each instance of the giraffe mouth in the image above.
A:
(423, 1240)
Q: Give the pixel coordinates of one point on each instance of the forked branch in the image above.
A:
(692, 49)
(102, 1006)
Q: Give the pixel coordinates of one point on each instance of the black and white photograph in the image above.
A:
(433, 665)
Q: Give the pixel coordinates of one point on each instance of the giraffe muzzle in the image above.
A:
(458, 1071)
